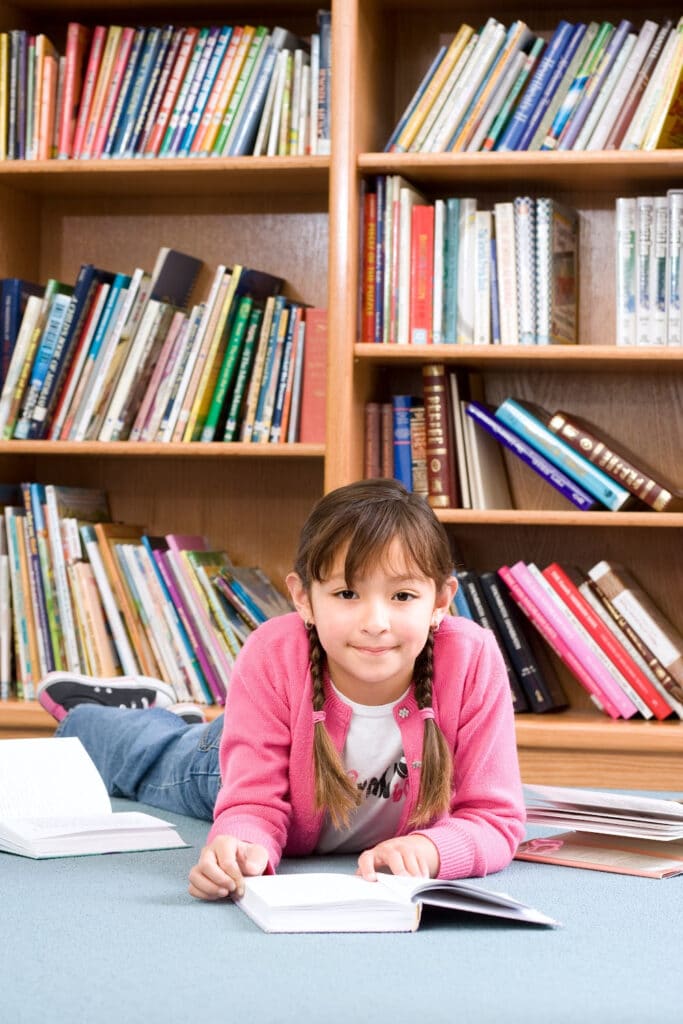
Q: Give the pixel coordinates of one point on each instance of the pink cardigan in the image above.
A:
(266, 752)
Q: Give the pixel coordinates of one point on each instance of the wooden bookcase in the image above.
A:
(300, 218)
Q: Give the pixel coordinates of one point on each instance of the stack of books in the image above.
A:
(649, 247)
(608, 632)
(80, 593)
(591, 86)
(119, 91)
(121, 356)
(451, 272)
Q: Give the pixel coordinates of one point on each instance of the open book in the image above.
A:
(53, 803)
(328, 902)
(615, 814)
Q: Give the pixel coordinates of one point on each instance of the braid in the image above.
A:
(437, 764)
(334, 790)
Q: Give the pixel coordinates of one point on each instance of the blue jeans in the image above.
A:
(151, 755)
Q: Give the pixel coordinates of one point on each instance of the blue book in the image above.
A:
(551, 86)
(48, 340)
(403, 460)
(123, 142)
(380, 255)
(598, 77)
(187, 93)
(417, 96)
(149, 91)
(14, 295)
(551, 473)
(198, 94)
(533, 92)
(461, 604)
(575, 91)
(450, 291)
(495, 308)
(89, 277)
(531, 427)
(249, 113)
(124, 92)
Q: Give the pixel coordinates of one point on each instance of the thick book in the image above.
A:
(329, 902)
(55, 804)
(632, 472)
(557, 272)
(441, 475)
(529, 421)
(613, 814)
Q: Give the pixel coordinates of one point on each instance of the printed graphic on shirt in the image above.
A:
(392, 784)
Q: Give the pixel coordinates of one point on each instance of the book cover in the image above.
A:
(314, 379)
(557, 273)
(506, 272)
(616, 99)
(443, 488)
(92, 67)
(524, 210)
(632, 99)
(14, 295)
(421, 276)
(626, 266)
(125, 92)
(158, 131)
(576, 90)
(75, 51)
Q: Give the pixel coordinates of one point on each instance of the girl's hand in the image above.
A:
(221, 866)
(405, 855)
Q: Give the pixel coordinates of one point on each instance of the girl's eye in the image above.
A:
(346, 595)
(403, 595)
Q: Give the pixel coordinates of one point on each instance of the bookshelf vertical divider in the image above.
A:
(305, 214)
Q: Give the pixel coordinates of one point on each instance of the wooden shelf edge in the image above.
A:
(143, 450)
(556, 357)
(556, 517)
(570, 730)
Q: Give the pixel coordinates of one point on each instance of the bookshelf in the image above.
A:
(300, 217)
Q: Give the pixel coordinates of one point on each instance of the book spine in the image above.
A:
(552, 85)
(626, 277)
(440, 455)
(421, 276)
(674, 276)
(506, 272)
(401, 405)
(616, 100)
(580, 469)
(632, 99)
(531, 457)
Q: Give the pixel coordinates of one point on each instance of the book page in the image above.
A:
(49, 827)
(49, 778)
(650, 859)
(321, 889)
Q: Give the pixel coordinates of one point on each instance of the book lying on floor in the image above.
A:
(649, 858)
(53, 803)
(328, 902)
(615, 814)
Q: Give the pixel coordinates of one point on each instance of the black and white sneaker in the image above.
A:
(189, 712)
(59, 692)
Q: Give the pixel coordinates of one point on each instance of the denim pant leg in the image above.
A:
(151, 755)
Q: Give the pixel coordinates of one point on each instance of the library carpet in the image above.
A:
(94, 940)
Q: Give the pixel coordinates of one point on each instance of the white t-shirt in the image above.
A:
(373, 757)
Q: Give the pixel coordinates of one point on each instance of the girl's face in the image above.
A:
(373, 632)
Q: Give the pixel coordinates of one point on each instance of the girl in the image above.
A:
(367, 721)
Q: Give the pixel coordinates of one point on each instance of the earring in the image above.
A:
(435, 625)
(309, 625)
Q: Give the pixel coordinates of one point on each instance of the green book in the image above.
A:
(240, 91)
(505, 111)
(243, 373)
(228, 367)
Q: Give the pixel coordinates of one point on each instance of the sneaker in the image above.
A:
(59, 692)
(190, 713)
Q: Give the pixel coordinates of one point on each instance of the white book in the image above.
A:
(525, 268)
(638, 124)
(617, 814)
(645, 216)
(280, 75)
(481, 58)
(304, 111)
(53, 803)
(481, 333)
(616, 100)
(674, 267)
(97, 373)
(329, 902)
(489, 485)
(438, 112)
(29, 323)
(437, 291)
(263, 131)
(408, 197)
(626, 271)
(124, 649)
(293, 425)
(461, 460)
(507, 277)
(5, 628)
(503, 87)
(657, 328)
(467, 248)
(602, 99)
(313, 94)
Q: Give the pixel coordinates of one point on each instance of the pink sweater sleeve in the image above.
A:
(486, 821)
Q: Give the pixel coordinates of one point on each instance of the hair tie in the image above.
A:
(426, 713)
(318, 716)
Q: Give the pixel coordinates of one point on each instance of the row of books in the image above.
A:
(607, 630)
(591, 86)
(649, 269)
(448, 445)
(451, 272)
(123, 356)
(119, 91)
(83, 594)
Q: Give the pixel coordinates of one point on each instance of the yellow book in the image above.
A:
(208, 372)
(233, 74)
(433, 89)
(4, 78)
(670, 103)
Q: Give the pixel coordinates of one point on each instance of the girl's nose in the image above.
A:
(375, 617)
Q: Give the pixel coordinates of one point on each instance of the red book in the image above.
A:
(114, 87)
(421, 274)
(568, 591)
(314, 382)
(76, 42)
(441, 478)
(563, 650)
(369, 266)
(89, 83)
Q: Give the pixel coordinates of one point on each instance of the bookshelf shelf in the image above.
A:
(284, 175)
(587, 358)
(560, 518)
(150, 450)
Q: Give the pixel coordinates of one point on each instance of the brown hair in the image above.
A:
(365, 518)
